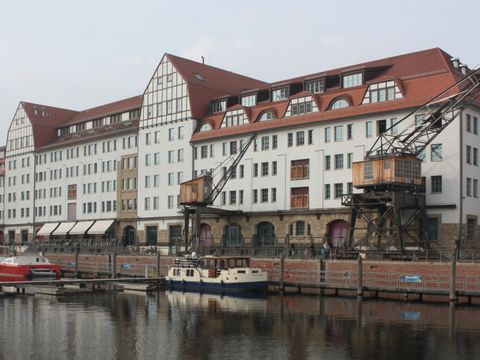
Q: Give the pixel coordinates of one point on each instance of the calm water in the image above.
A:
(176, 325)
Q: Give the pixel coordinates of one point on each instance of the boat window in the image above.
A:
(241, 271)
(38, 260)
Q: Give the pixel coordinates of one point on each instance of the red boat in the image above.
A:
(27, 268)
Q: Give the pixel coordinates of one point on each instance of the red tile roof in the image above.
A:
(45, 120)
(216, 83)
(420, 75)
(116, 107)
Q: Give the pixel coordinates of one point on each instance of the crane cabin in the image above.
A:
(196, 191)
(388, 172)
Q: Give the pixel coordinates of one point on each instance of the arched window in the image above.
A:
(206, 127)
(265, 235)
(233, 235)
(267, 115)
(339, 104)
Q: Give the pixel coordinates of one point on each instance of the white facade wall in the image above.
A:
(165, 154)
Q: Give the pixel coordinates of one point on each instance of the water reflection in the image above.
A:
(175, 325)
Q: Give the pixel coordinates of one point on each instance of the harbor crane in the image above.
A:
(392, 203)
(197, 195)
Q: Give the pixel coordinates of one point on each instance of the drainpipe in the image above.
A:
(460, 230)
(34, 218)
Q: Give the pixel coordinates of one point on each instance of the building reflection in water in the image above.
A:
(176, 325)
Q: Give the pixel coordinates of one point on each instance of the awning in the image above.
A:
(63, 228)
(47, 229)
(80, 228)
(100, 227)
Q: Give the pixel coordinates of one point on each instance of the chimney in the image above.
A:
(464, 68)
(455, 62)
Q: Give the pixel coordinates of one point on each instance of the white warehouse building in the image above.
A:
(115, 170)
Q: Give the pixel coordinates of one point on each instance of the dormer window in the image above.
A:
(234, 118)
(351, 80)
(315, 86)
(301, 106)
(280, 93)
(339, 104)
(267, 115)
(249, 100)
(219, 105)
(206, 127)
(382, 91)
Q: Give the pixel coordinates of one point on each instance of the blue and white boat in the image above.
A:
(220, 274)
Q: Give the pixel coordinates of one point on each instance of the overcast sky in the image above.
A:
(80, 54)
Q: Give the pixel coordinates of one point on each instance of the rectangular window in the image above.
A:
(475, 188)
(265, 142)
(224, 197)
(274, 141)
(475, 125)
(299, 169)
(310, 137)
(349, 160)
(290, 139)
(468, 156)
(393, 126)
(242, 171)
(327, 194)
(264, 195)
(338, 161)
(249, 100)
(273, 191)
(233, 197)
(255, 196)
(300, 138)
(171, 134)
(436, 152)
(204, 151)
(368, 129)
(472, 224)
(328, 134)
(240, 196)
(233, 147)
(349, 131)
(469, 123)
(327, 162)
(469, 187)
(474, 159)
(381, 127)
(224, 149)
(255, 170)
(436, 184)
(264, 168)
(314, 86)
(274, 168)
(338, 190)
(171, 157)
(338, 133)
(352, 80)
(280, 93)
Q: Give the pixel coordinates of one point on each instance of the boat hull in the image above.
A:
(218, 286)
(11, 272)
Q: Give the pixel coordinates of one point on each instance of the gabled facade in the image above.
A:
(125, 160)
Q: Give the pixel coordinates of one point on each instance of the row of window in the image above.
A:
(12, 164)
(265, 169)
(171, 179)
(300, 138)
(338, 190)
(262, 195)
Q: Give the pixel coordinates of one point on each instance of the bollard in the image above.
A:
(282, 273)
(360, 277)
(114, 265)
(453, 280)
(76, 262)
